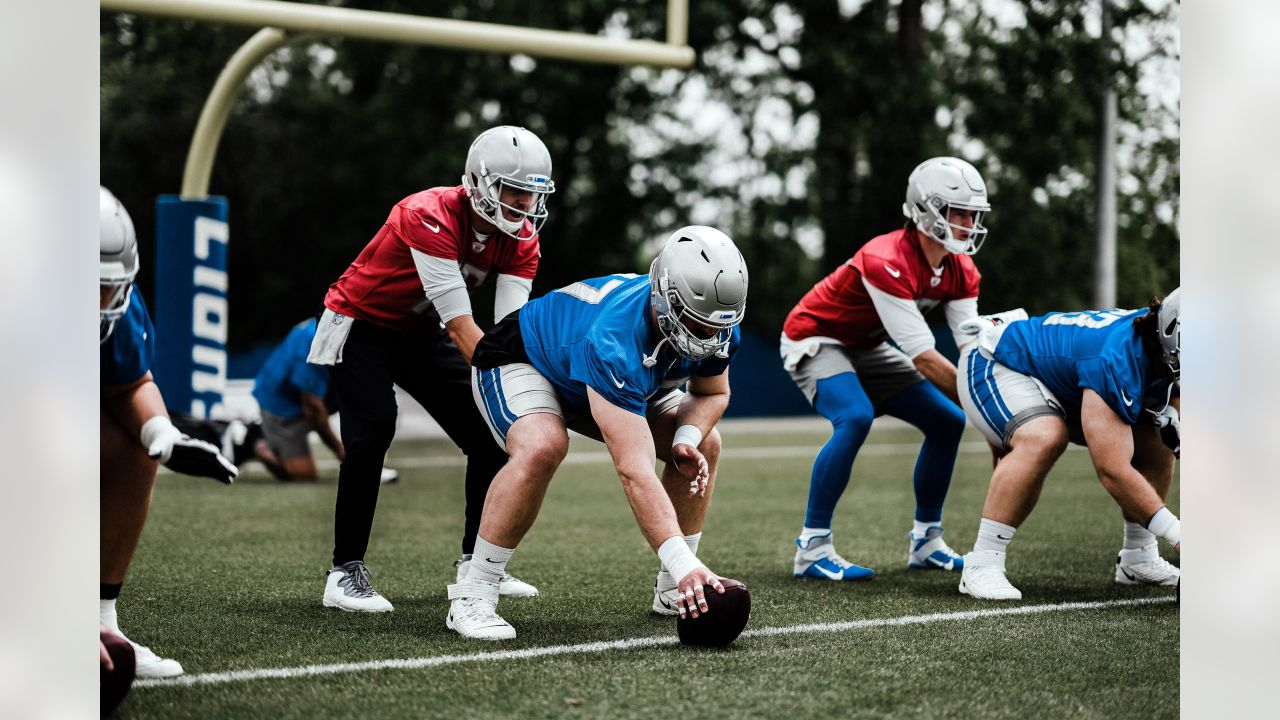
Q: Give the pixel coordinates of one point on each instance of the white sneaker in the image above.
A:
(983, 577)
(473, 612)
(348, 587)
(1144, 566)
(818, 558)
(664, 600)
(510, 586)
(147, 664)
(932, 552)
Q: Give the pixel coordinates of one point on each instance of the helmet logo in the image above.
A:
(537, 179)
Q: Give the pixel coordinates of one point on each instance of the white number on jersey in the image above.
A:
(1091, 319)
(592, 295)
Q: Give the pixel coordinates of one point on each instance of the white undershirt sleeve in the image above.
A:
(510, 294)
(957, 312)
(903, 320)
(442, 281)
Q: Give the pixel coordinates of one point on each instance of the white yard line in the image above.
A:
(605, 646)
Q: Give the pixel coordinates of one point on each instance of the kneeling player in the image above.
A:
(606, 357)
(1105, 379)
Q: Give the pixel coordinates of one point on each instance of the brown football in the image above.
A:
(115, 683)
(724, 620)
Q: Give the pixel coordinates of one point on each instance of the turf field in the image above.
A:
(228, 580)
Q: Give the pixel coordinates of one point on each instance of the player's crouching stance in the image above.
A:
(135, 431)
(606, 357)
(1105, 379)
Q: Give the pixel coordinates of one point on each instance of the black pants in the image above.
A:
(431, 369)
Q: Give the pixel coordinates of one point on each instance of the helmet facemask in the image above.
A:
(115, 290)
(486, 199)
(117, 262)
(1169, 319)
(935, 224)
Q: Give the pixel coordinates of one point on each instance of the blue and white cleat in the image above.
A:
(932, 552)
(818, 559)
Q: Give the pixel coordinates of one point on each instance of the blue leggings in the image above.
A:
(842, 400)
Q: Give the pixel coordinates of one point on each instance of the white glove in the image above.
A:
(183, 454)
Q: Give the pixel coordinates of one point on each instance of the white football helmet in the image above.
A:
(1168, 317)
(117, 262)
(698, 290)
(510, 156)
(939, 184)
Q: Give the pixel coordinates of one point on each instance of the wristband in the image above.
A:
(687, 435)
(1166, 525)
(677, 558)
(154, 428)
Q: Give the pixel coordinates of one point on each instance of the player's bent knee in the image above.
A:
(710, 446)
(853, 421)
(1045, 437)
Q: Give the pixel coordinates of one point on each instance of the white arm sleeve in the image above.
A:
(903, 320)
(443, 283)
(510, 295)
(957, 312)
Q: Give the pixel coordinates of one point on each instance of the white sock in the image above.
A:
(107, 614)
(807, 533)
(665, 581)
(488, 562)
(919, 529)
(1136, 536)
(993, 536)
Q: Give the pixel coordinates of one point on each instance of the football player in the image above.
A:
(136, 433)
(293, 399)
(836, 346)
(401, 314)
(606, 357)
(1106, 379)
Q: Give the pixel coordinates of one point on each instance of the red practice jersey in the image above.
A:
(383, 287)
(840, 307)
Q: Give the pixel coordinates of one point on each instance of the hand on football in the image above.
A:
(693, 466)
(183, 454)
(693, 599)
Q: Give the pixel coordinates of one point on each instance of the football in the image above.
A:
(115, 683)
(724, 620)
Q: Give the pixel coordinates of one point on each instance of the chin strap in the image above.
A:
(651, 360)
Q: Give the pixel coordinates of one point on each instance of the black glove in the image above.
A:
(1169, 425)
(184, 454)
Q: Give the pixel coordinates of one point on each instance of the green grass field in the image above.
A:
(230, 579)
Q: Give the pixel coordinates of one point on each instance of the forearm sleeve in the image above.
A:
(510, 295)
(442, 281)
(957, 312)
(902, 319)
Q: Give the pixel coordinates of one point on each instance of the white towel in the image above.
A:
(793, 351)
(331, 335)
(988, 328)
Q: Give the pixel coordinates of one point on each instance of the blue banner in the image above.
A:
(191, 303)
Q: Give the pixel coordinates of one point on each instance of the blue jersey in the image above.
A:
(1096, 349)
(596, 333)
(286, 374)
(128, 354)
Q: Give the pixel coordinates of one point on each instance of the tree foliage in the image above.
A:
(795, 132)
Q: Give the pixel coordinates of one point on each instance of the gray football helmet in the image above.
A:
(514, 157)
(1168, 316)
(117, 262)
(939, 184)
(698, 290)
